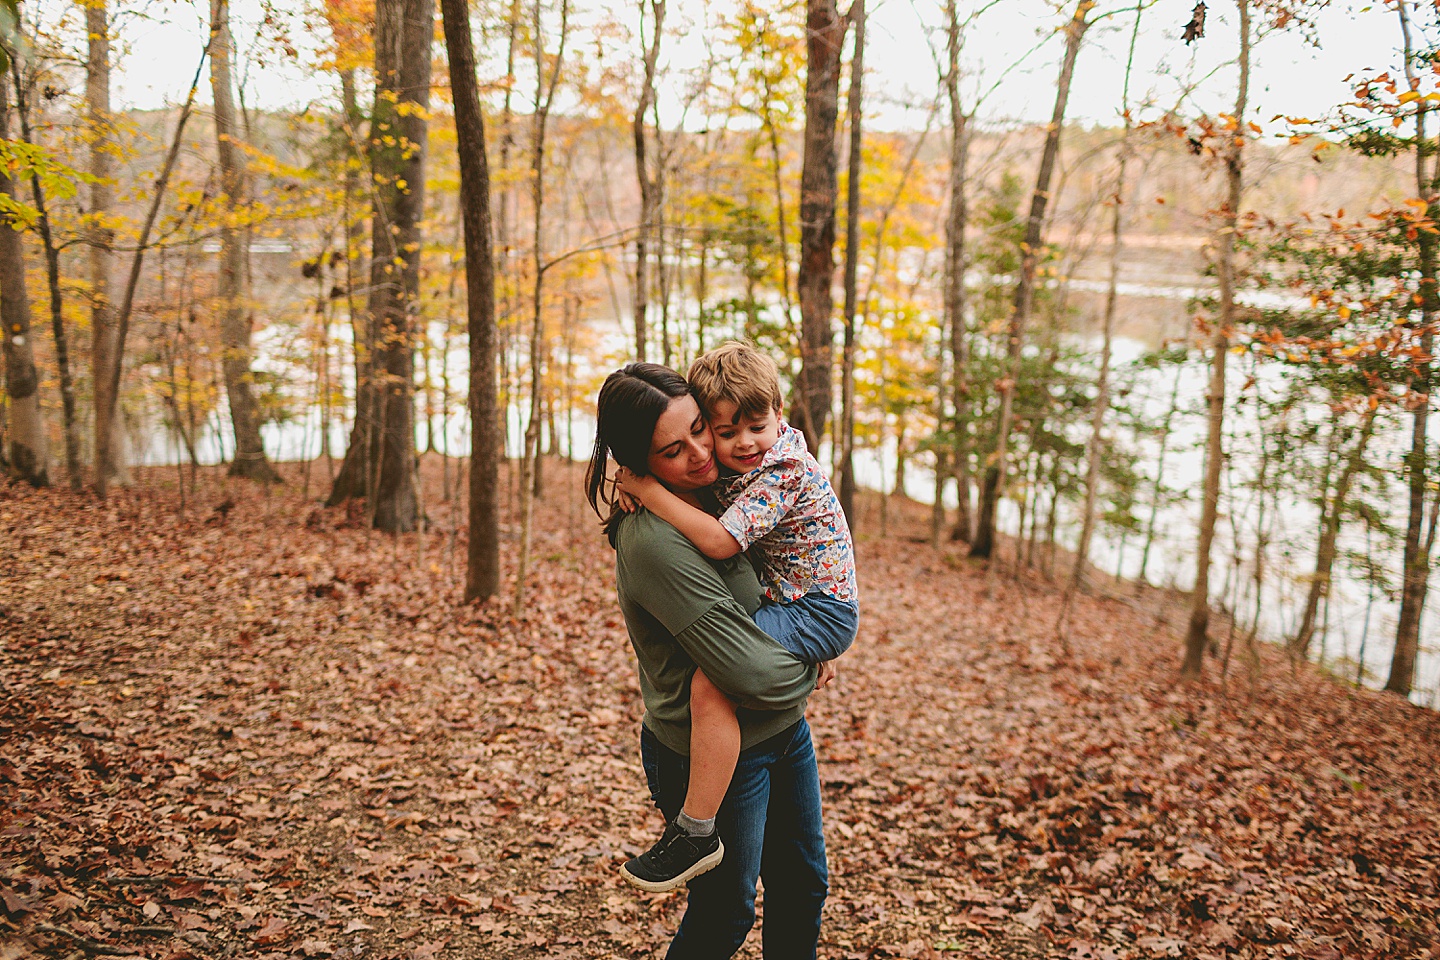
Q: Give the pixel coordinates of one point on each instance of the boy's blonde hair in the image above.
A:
(737, 372)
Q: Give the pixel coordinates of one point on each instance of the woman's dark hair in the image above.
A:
(626, 411)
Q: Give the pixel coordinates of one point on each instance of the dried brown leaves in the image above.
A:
(268, 733)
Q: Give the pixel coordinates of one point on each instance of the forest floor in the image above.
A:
(254, 728)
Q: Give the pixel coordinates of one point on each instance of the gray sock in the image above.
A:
(695, 828)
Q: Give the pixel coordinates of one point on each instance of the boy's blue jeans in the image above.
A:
(815, 628)
(770, 825)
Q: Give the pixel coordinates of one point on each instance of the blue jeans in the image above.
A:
(770, 825)
(815, 628)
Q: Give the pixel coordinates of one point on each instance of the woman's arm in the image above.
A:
(707, 613)
(701, 529)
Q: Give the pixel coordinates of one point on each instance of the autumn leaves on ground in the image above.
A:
(255, 729)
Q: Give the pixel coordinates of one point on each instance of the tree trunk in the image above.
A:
(1102, 386)
(984, 543)
(530, 455)
(355, 468)
(26, 449)
(383, 471)
(396, 508)
(852, 264)
(482, 573)
(57, 314)
(1159, 490)
(955, 267)
(1332, 516)
(1414, 584)
(1196, 634)
(649, 182)
(103, 354)
(250, 460)
(824, 35)
(505, 216)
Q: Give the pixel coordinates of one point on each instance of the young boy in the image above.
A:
(776, 498)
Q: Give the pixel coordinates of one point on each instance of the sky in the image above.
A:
(1013, 52)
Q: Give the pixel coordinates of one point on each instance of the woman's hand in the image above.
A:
(827, 673)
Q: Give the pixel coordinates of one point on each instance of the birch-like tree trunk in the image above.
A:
(103, 353)
(1034, 242)
(506, 215)
(235, 317)
(1196, 635)
(956, 222)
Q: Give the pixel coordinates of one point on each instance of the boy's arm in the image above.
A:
(768, 496)
(704, 531)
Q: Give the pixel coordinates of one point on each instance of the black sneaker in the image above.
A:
(675, 859)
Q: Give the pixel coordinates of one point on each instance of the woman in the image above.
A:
(684, 611)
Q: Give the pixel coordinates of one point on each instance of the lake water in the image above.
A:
(1358, 615)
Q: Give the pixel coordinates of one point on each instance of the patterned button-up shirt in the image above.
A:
(788, 510)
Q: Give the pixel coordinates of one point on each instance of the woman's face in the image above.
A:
(681, 449)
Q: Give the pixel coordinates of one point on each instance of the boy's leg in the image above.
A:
(714, 748)
(815, 628)
(690, 846)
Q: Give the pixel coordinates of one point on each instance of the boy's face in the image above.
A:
(741, 442)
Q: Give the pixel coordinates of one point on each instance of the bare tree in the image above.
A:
(1101, 404)
(1332, 515)
(111, 392)
(648, 171)
(544, 100)
(956, 222)
(1031, 248)
(1196, 637)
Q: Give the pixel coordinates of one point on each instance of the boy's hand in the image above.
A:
(827, 673)
(634, 487)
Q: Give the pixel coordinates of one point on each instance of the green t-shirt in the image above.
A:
(683, 611)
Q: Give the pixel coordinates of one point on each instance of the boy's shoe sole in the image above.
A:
(705, 864)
